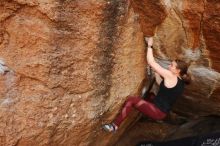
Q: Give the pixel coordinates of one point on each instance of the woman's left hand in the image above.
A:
(150, 41)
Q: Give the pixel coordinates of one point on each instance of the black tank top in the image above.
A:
(167, 96)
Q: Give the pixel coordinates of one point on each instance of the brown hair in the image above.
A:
(183, 66)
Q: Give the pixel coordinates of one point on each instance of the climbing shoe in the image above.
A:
(109, 127)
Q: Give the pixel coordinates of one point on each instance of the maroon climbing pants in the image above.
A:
(144, 106)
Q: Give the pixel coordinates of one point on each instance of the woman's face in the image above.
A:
(173, 67)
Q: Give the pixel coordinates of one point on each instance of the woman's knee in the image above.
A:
(132, 100)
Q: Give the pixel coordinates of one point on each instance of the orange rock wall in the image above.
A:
(69, 62)
(67, 66)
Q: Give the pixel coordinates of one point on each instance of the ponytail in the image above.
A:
(186, 78)
(183, 66)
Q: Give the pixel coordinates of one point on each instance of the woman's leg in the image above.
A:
(150, 110)
(143, 106)
(131, 101)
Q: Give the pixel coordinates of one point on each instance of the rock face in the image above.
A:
(195, 132)
(67, 66)
(197, 127)
(68, 63)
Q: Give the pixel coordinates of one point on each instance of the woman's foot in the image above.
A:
(110, 127)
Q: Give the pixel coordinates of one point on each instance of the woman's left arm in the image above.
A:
(151, 61)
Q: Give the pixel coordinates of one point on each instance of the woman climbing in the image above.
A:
(172, 85)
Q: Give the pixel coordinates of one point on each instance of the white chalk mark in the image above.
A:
(3, 67)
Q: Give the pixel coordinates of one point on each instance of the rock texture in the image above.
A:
(197, 127)
(67, 66)
(146, 131)
(152, 14)
(69, 63)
